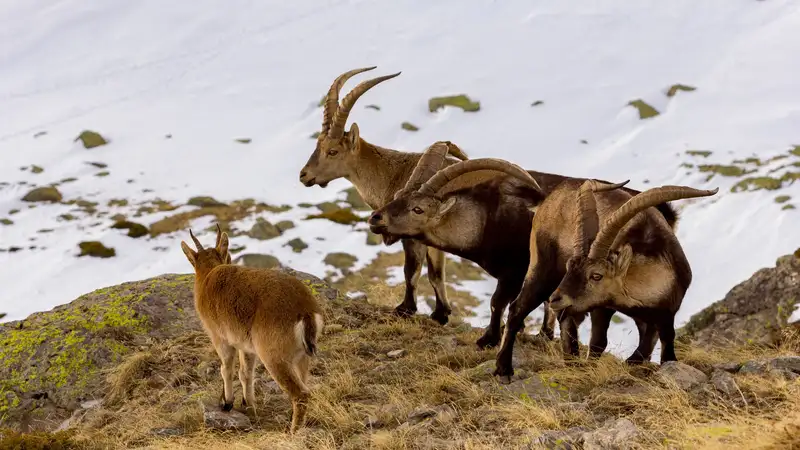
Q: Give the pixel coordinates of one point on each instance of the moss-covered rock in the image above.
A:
(457, 101)
(43, 194)
(782, 198)
(284, 225)
(135, 230)
(11, 212)
(66, 217)
(297, 245)
(36, 169)
(5, 221)
(703, 153)
(675, 88)
(340, 260)
(91, 139)
(328, 207)
(204, 202)
(757, 183)
(344, 216)
(408, 126)
(102, 173)
(243, 140)
(263, 230)
(96, 249)
(375, 107)
(314, 135)
(355, 201)
(118, 202)
(645, 111)
(237, 210)
(99, 165)
(724, 170)
(258, 260)
(787, 206)
(537, 103)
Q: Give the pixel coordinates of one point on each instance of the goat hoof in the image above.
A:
(226, 406)
(486, 341)
(442, 317)
(505, 379)
(403, 311)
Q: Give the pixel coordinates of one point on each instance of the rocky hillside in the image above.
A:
(129, 366)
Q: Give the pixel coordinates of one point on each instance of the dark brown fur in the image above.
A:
(488, 222)
(256, 312)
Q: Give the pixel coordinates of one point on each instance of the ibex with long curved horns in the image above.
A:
(636, 267)
(377, 174)
(481, 210)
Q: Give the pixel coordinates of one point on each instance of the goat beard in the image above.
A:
(389, 239)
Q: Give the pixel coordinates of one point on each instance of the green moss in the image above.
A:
(645, 111)
(297, 245)
(409, 126)
(305, 205)
(782, 198)
(457, 101)
(340, 260)
(537, 103)
(788, 206)
(5, 221)
(243, 140)
(344, 216)
(687, 165)
(13, 211)
(135, 230)
(91, 139)
(284, 225)
(725, 171)
(102, 173)
(757, 183)
(67, 217)
(375, 107)
(315, 135)
(795, 151)
(36, 169)
(617, 319)
(117, 202)
(679, 87)
(96, 249)
(99, 165)
(790, 177)
(68, 180)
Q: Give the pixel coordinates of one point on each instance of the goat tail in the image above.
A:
(311, 328)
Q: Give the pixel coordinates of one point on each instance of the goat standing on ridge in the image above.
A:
(257, 312)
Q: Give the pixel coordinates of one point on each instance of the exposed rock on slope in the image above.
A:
(754, 311)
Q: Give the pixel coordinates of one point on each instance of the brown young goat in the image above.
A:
(647, 279)
(377, 174)
(256, 312)
(480, 210)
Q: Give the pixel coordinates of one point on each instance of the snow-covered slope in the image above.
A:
(208, 73)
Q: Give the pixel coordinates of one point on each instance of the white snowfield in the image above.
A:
(208, 73)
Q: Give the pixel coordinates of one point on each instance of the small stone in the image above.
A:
(96, 249)
(204, 202)
(135, 230)
(790, 363)
(284, 225)
(340, 260)
(683, 375)
(36, 169)
(215, 418)
(396, 353)
(91, 139)
(263, 230)
(43, 194)
(731, 367)
(753, 367)
(297, 245)
(614, 434)
(724, 382)
(257, 260)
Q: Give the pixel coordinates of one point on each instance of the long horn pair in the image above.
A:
(197, 241)
(444, 176)
(587, 224)
(334, 116)
(431, 161)
(607, 234)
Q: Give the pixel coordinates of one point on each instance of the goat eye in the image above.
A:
(417, 210)
(332, 152)
(596, 277)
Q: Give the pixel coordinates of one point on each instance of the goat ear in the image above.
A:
(353, 137)
(445, 206)
(228, 259)
(191, 255)
(623, 259)
(222, 247)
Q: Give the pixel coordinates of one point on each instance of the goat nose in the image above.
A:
(302, 174)
(555, 296)
(375, 218)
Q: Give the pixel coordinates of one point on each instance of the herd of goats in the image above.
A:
(621, 255)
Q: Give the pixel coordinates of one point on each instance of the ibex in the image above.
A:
(481, 210)
(377, 173)
(256, 312)
(575, 269)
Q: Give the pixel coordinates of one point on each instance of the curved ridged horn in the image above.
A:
(340, 118)
(430, 163)
(587, 224)
(196, 242)
(219, 236)
(652, 197)
(332, 99)
(449, 173)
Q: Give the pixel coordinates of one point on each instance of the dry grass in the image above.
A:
(362, 398)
